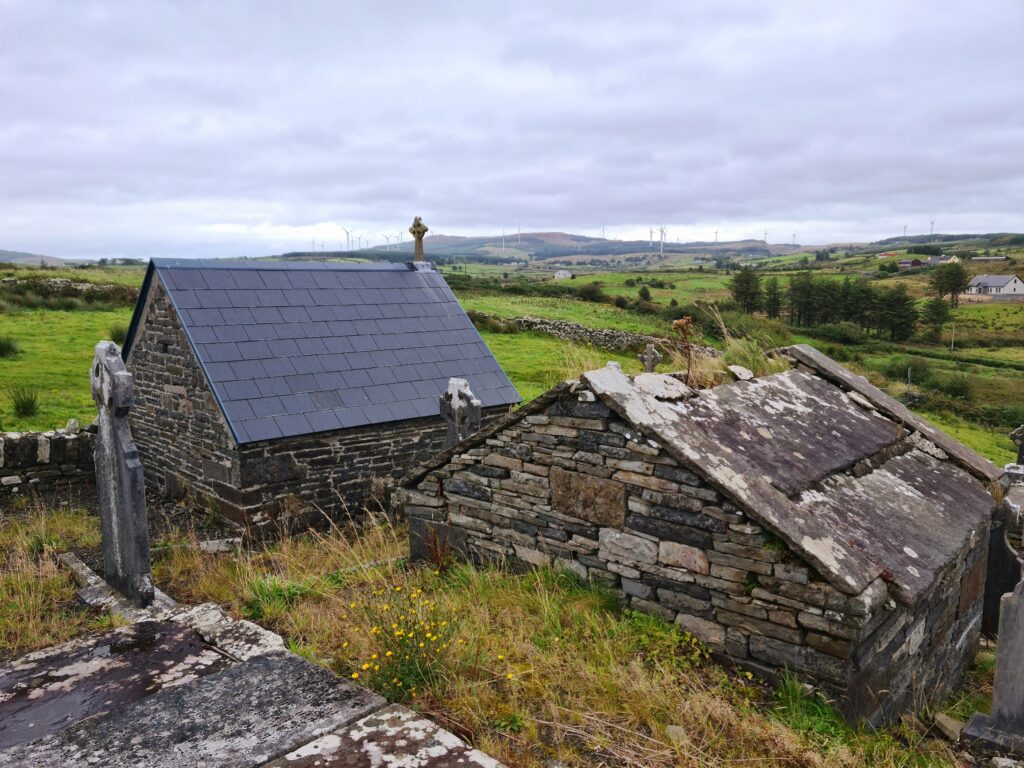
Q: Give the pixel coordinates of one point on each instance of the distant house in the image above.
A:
(887, 254)
(563, 274)
(910, 263)
(997, 284)
(988, 258)
(268, 390)
(934, 261)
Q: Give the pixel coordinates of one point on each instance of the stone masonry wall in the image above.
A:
(575, 487)
(56, 465)
(334, 472)
(177, 424)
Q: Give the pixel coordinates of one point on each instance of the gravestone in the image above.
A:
(650, 357)
(119, 480)
(461, 411)
(1003, 731)
(418, 230)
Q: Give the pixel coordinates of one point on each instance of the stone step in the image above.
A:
(244, 715)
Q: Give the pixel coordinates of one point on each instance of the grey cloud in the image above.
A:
(231, 128)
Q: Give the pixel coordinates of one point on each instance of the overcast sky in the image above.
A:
(227, 129)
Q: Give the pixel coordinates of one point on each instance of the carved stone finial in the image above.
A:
(650, 357)
(461, 411)
(119, 481)
(418, 230)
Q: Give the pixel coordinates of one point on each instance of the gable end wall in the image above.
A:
(575, 487)
(183, 440)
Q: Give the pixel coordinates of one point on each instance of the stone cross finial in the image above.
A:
(650, 357)
(461, 411)
(119, 482)
(1017, 436)
(418, 230)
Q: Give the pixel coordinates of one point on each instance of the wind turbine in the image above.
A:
(931, 231)
(387, 239)
(651, 233)
(348, 238)
(716, 236)
(794, 238)
(904, 230)
(398, 237)
(766, 236)
(661, 247)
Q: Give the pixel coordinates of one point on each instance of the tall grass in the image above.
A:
(24, 400)
(118, 333)
(8, 346)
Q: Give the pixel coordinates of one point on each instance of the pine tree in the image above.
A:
(746, 289)
(772, 297)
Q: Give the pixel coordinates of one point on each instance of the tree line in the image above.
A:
(807, 300)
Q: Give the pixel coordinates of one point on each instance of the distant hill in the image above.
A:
(32, 259)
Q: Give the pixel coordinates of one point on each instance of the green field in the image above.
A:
(98, 275)
(56, 352)
(583, 312)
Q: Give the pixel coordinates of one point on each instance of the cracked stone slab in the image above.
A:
(245, 715)
(395, 737)
(46, 692)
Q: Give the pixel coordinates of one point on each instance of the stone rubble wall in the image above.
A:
(58, 463)
(604, 338)
(575, 487)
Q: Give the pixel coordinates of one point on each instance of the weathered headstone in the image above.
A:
(650, 357)
(418, 230)
(1017, 436)
(1003, 731)
(119, 480)
(461, 411)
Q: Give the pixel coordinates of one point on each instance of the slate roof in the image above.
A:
(847, 476)
(991, 281)
(292, 348)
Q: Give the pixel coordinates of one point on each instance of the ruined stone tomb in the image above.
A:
(802, 521)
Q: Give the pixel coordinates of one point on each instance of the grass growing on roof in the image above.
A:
(530, 667)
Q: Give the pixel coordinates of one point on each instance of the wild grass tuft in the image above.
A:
(24, 400)
(8, 346)
(118, 333)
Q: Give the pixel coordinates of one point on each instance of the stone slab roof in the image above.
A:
(848, 477)
(293, 348)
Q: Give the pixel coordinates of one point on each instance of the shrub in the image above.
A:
(118, 333)
(896, 369)
(957, 386)
(844, 332)
(8, 346)
(25, 400)
(644, 294)
(590, 292)
(621, 302)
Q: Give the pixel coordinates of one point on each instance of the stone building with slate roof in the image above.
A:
(273, 388)
(803, 520)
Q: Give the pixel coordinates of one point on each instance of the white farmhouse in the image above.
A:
(563, 274)
(1004, 285)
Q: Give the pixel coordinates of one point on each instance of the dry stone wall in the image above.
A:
(573, 486)
(57, 465)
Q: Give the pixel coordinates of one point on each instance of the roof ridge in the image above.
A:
(260, 264)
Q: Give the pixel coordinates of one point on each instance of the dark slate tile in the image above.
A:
(320, 314)
(343, 328)
(381, 375)
(203, 334)
(299, 403)
(311, 346)
(429, 387)
(237, 410)
(379, 393)
(326, 399)
(284, 348)
(338, 344)
(267, 406)
(219, 353)
(279, 366)
(346, 312)
(384, 357)
(318, 329)
(237, 315)
(363, 343)
(330, 380)
(186, 278)
(274, 278)
(349, 297)
(356, 378)
(307, 364)
(239, 390)
(405, 410)
(369, 312)
(249, 278)
(254, 349)
(248, 369)
(294, 314)
(407, 356)
(186, 300)
(405, 372)
(219, 278)
(303, 279)
(220, 372)
(272, 386)
(272, 298)
(298, 297)
(210, 299)
(377, 413)
(241, 433)
(430, 371)
(323, 421)
(360, 360)
(293, 424)
(335, 362)
(203, 316)
(402, 391)
(351, 417)
(270, 315)
(426, 406)
(353, 398)
(322, 296)
(262, 332)
(231, 333)
(304, 382)
(262, 429)
(243, 298)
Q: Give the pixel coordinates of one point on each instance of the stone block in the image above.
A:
(706, 631)
(682, 556)
(625, 547)
(596, 500)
